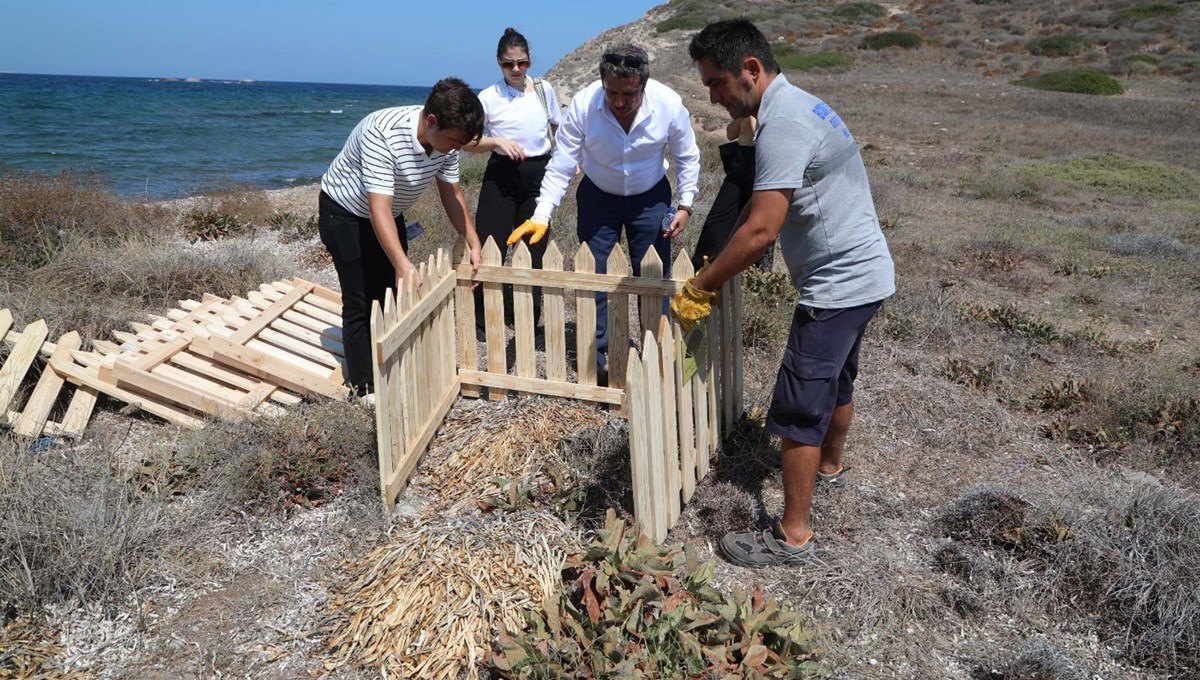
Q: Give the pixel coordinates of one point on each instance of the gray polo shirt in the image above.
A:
(832, 244)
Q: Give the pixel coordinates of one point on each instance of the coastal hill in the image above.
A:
(1024, 461)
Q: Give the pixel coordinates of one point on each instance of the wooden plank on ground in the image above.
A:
(554, 321)
(523, 321)
(19, 361)
(45, 393)
(585, 321)
(251, 329)
(87, 376)
(253, 360)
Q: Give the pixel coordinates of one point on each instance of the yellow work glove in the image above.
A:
(537, 229)
(691, 304)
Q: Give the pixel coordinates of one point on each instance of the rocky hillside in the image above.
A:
(999, 39)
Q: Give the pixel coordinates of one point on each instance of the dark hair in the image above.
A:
(625, 61)
(511, 38)
(727, 43)
(456, 106)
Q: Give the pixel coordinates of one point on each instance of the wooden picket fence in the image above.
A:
(426, 354)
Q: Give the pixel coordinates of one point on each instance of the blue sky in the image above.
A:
(396, 42)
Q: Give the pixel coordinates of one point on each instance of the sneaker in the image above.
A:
(836, 480)
(755, 549)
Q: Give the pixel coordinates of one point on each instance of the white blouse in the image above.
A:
(519, 116)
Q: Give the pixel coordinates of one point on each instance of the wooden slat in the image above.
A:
(20, 359)
(408, 365)
(464, 311)
(256, 362)
(711, 362)
(576, 280)
(130, 378)
(87, 376)
(727, 323)
(6, 320)
(585, 320)
(523, 322)
(160, 354)
(650, 307)
(604, 395)
(434, 293)
(269, 314)
(37, 408)
(682, 270)
(400, 475)
(79, 411)
(299, 348)
(618, 321)
(493, 314)
(651, 371)
(639, 444)
(670, 424)
(554, 321)
(735, 351)
(384, 422)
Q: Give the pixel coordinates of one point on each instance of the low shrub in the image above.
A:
(965, 372)
(73, 532)
(859, 11)
(1077, 81)
(293, 227)
(1062, 45)
(808, 62)
(633, 608)
(879, 41)
(1116, 172)
(1154, 10)
(1012, 320)
(683, 22)
(40, 213)
(770, 299)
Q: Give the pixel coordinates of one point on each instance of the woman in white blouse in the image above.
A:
(521, 115)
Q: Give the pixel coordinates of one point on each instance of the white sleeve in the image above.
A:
(568, 151)
(686, 155)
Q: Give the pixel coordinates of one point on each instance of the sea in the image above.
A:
(161, 138)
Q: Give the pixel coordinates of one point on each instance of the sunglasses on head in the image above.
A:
(520, 63)
(624, 61)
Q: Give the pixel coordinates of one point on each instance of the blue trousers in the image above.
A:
(603, 217)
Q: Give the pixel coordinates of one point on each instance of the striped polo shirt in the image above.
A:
(382, 156)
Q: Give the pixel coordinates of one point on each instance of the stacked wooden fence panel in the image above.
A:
(33, 419)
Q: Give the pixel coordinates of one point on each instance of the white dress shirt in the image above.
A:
(618, 162)
(519, 116)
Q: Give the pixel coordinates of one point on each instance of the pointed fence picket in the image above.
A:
(675, 425)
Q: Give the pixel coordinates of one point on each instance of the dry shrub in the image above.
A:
(299, 459)
(95, 287)
(984, 514)
(1139, 562)
(1037, 660)
(73, 531)
(39, 214)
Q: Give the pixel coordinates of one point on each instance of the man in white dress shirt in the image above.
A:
(620, 130)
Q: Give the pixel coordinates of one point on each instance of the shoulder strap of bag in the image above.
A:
(541, 94)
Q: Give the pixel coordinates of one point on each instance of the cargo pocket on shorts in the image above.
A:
(806, 388)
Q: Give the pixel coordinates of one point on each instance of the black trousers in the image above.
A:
(507, 198)
(731, 198)
(364, 274)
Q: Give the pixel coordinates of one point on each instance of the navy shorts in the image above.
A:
(818, 371)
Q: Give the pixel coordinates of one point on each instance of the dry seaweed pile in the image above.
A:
(27, 653)
(430, 603)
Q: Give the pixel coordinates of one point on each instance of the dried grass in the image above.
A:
(429, 604)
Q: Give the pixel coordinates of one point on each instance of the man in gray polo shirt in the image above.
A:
(810, 191)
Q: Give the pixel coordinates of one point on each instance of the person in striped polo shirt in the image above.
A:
(387, 162)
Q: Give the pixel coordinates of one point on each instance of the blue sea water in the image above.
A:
(162, 138)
